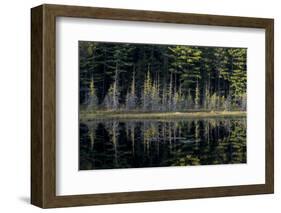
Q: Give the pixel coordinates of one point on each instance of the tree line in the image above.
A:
(150, 77)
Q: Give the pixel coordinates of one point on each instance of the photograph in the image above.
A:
(140, 105)
(152, 105)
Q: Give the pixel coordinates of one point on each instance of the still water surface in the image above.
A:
(109, 144)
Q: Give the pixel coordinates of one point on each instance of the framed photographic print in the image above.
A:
(136, 106)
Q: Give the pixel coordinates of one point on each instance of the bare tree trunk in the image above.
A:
(115, 87)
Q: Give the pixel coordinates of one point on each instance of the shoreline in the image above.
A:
(102, 115)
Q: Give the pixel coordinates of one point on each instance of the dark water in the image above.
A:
(109, 144)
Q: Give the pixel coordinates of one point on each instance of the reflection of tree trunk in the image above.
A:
(219, 94)
(218, 130)
(228, 127)
(114, 141)
(170, 136)
(133, 139)
(207, 131)
(144, 138)
(127, 129)
(197, 139)
(163, 132)
(208, 124)
(175, 131)
(92, 139)
(92, 136)
(196, 123)
(148, 137)
(158, 141)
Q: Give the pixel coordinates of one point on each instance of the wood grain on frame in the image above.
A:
(43, 105)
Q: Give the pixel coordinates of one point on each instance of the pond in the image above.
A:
(112, 144)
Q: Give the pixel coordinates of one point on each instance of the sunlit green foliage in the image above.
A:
(143, 77)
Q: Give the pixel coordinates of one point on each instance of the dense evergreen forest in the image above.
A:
(161, 78)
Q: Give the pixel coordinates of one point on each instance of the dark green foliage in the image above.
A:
(161, 77)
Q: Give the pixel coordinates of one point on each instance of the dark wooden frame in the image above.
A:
(43, 105)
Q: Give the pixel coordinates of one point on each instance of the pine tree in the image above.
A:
(227, 103)
(207, 99)
(176, 101)
(155, 97)
(111, 101)
(170, 93)
(164, 100)
(161, 78)
(119, 62)
(181, 99)
(222, 103)
(115, 93)
(214, 102)
(131, 98)
(197, 97)
(92, 100)
(221, 71)
(244, 102)
(88, 64)
(186, 62)
(238, 78)
(189, 100)
(147, 92)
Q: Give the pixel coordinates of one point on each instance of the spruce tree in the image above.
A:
(131, 98)
(238, 78)
(92, 100)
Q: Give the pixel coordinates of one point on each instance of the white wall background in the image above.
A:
(15, 104)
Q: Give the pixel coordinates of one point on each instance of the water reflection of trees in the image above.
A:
(151, 143)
